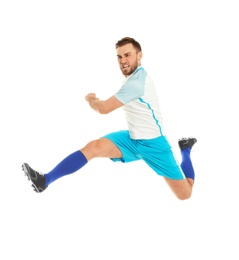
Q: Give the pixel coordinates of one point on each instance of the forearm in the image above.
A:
(95, 104)
(103, 106)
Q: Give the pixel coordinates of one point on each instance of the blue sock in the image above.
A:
(186, 164)
(70, 164)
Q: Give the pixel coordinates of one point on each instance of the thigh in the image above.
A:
(157, 153)
(127, 146)
(101, 147)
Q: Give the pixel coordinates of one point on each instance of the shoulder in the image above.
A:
(138, 77)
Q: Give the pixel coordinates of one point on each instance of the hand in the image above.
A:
(90, 96)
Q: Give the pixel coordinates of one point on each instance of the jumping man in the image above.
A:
(144, 139)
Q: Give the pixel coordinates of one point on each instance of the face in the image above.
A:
(128, 58)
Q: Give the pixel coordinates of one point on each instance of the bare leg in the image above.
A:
(98, 148)
(181, 188)
(105, 148)
(102, 147)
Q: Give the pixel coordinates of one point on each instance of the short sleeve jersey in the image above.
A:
(139, 96)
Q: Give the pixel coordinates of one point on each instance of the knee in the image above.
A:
(91, 150)
(184, 195)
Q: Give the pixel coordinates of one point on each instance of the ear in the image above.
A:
(140, 55)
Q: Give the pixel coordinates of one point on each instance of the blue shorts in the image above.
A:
(156, 152)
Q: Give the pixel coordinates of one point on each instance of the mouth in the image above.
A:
(124, 67)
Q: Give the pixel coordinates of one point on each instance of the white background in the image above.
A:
(53, 53)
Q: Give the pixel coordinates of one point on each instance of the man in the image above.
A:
(145, 138)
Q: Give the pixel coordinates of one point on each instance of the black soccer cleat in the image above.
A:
(37, 179)
(186, 142)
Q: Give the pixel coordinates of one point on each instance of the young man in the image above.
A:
(145, 138)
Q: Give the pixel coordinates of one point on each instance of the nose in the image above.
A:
(123, 60)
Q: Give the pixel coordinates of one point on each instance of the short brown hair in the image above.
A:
(127, 40)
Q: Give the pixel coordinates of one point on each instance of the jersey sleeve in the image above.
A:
(133, 88)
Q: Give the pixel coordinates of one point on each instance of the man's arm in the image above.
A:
(103, 106)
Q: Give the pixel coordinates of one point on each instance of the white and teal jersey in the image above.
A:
(139, 96)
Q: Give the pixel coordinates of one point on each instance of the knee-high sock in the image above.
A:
(186, 164)
(70, 164)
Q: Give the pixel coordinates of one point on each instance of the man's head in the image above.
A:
(129, 55)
